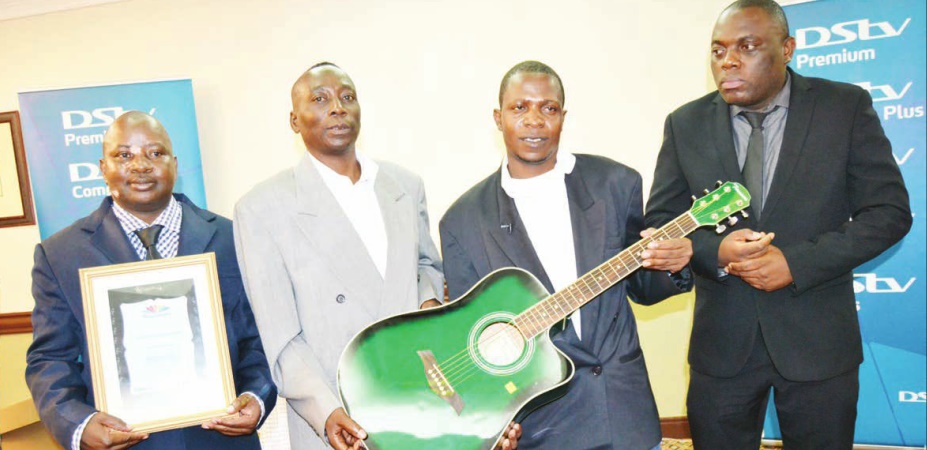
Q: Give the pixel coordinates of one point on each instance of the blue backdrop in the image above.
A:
(881, 46)
(63, 135)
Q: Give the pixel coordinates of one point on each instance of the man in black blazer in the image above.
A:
(139, 167)
(775, 308)
(558, 216)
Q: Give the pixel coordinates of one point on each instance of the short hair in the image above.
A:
(770, 7)
(323, 63)
(534, 67)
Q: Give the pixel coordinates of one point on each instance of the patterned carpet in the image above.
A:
(685, 444)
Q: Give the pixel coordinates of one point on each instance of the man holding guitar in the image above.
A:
(325, 248)
(558, 216)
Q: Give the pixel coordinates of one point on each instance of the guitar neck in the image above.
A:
(540, 317)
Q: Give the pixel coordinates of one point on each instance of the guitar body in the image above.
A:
(452, 377)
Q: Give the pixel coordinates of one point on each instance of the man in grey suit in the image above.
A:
(326, 248)
(776, 310)
(558, 216)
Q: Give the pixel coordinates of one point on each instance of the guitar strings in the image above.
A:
(456, 369)
(460, 367)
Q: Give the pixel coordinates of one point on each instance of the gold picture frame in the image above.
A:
(159, 354)
(15, 192)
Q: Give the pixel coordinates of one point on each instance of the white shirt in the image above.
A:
(359, 203)
(542, 204)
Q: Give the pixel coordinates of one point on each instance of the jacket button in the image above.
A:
(340, 298)
(597, 370)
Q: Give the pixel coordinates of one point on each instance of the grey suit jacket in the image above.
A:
(835, 164)
(609, 403)
(313, 286)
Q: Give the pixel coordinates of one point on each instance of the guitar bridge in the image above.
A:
(438, 383)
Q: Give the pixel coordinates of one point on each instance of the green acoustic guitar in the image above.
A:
(453, 377)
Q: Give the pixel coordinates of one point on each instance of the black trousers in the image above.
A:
(728, 413)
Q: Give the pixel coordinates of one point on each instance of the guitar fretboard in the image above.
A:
(540, 317)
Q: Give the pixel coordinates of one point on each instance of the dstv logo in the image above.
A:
(869, 282)
(884, 92)
(912, 397)
(100, 117)
(846, 32)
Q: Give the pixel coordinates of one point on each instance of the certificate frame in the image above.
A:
(157, 343)
(15, 191)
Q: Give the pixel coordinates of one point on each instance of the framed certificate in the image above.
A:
(159, 355)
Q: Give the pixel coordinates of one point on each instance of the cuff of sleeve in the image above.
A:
(78, 433)
(682, 279)
(260, 403)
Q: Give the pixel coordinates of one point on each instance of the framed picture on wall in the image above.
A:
(15, 192)
(159, 354)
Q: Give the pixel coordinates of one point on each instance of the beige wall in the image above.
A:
(427, 74)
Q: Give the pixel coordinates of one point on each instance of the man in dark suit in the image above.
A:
(776, 309)
(139, 167)
(558, 216)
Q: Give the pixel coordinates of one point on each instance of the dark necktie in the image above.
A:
(149, 238)
(753, 166)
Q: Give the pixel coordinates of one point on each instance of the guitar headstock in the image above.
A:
(727, 199)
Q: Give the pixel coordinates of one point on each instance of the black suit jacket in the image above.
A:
(835, 164)
(609, 403)
(57, 371)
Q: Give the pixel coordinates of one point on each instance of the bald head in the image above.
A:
(135, 120)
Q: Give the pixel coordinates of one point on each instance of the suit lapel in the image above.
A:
(109, 237)
(508, 233)
(801, 109)
(400, 230)
(588, 221)
(196, 231)
(324, 224)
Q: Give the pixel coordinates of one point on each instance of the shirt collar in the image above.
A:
(169, 218)
(781, 99)
(369, 169)
(518, 187)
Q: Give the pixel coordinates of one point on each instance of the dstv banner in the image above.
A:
(63, 135)
(881, 46)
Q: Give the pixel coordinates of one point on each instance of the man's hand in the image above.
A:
(670, 254)
(429, 304)
(742, 245)
(511, 435)
(104, 431)
(244, 415)
(343, 432)
(768, 272)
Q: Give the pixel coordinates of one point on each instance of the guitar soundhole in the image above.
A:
(500, 344)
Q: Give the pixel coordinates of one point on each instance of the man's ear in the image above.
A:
(293, 122)
(497, 116)
(788, 49)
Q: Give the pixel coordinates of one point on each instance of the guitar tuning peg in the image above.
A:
(718, 183)
(720, 229)
(732, 220)
(744, 214)
(694, 198)
(707, 192)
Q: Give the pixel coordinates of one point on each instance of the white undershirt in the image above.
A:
(543, 206)
(359, 203)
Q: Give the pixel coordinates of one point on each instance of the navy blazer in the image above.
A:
(835, 164)
(609, 403)
(58, 372)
